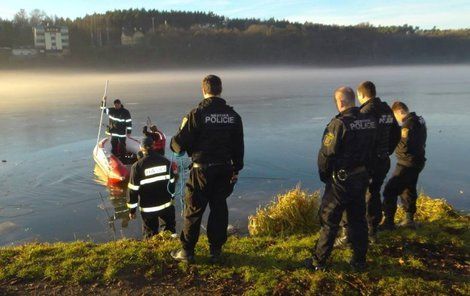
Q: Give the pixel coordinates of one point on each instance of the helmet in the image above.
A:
(159, 140)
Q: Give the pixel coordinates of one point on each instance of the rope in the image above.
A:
(183, 171)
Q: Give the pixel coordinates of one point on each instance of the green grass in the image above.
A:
(432, 260)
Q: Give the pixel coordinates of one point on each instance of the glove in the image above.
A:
(234, 179)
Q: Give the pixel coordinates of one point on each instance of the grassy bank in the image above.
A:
(432, 260)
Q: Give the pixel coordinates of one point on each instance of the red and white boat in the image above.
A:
(116, 169)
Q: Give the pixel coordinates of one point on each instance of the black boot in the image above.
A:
(358, 266)
(387, 224)
(215, 254)
(409, 221)
(313, 264)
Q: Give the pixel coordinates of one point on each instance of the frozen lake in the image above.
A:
(48, 127)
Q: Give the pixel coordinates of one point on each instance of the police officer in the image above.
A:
(150, 178)
(411, 159)
(120, 125)
(388, 135)
(346, 149)
(212, 135)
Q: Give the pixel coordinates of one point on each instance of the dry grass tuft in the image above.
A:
(430, 210)
(293, 212)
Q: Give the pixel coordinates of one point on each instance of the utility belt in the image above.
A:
(196, 165)
(343, 174)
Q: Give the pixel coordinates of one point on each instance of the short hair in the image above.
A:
(212, 85)
(346, 95)
(397, 105)
(117, 101)
(367, 88)
(147, 142)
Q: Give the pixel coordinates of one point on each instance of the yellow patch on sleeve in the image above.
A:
(404, 132)
(183, 123)
(328, 139)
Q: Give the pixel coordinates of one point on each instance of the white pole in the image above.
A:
(103, 100)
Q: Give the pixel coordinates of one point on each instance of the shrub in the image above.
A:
(293, 212)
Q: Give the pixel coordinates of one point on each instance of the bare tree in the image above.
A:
(37, 16)
(21, 18)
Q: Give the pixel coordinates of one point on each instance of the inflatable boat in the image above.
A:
(116, 169)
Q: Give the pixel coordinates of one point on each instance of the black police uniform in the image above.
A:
(149, 180)
(411, 159)
(346, 149)
(212, 135)
(120, 124)
(387, 138)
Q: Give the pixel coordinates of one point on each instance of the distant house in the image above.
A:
(24, 52)
(51, 39)
(131, 37)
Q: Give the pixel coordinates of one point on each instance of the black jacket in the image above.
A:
(211, 133)
(388, 130)
(120, 122)
(347, 143)
(149, 180)
(411, 149)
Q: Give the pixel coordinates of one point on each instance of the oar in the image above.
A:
(103, 103)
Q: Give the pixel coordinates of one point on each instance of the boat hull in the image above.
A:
(113, 168)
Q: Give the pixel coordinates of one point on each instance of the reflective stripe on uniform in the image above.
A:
(128, 120)
(116, 119)
(129, 128)
(133, 187)
(132, 206)
(158, 208)
(154, 179)
(116, 135)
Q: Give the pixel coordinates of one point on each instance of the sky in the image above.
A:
(444, 14)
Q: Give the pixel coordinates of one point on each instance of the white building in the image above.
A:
(131, 37)
(51, 38)
(24, 52)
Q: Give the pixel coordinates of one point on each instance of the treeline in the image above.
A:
(199, 38)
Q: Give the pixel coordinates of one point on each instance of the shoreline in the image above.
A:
(139, 68)
(433, 259)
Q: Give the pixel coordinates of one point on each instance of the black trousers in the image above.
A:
(207, 186)
(162, 220)
(118, 145)
(377, 176)
(373, 195)
(340, 197)
(402, 183)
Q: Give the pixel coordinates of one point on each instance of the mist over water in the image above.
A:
(49, 122)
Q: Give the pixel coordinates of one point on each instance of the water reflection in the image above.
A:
(119, 213)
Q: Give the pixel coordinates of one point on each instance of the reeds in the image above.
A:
(294, 212)
(430, 209)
